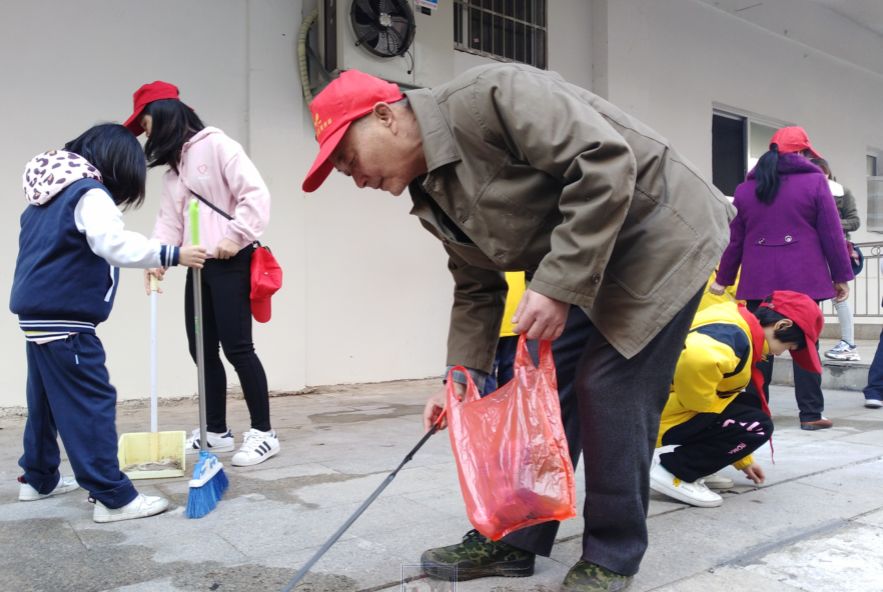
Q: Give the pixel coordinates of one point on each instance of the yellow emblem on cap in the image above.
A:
(321, 125)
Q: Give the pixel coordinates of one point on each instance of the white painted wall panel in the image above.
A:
(366, 293)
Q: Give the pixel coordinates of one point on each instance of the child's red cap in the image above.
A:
(148, 93)
(807, 315)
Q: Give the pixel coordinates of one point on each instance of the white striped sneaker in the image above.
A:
(216, 442)
(257, 446)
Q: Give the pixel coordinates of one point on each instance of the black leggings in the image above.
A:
(226, 309)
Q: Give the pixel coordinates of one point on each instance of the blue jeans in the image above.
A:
(504, 360)
(874, 390)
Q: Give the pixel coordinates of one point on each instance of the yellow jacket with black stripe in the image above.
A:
(714, 367)
(729, 295)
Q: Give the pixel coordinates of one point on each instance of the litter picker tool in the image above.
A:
(328, 544)
(153, 454)
(209, 482)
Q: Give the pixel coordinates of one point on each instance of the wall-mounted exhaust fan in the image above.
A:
(383, 27)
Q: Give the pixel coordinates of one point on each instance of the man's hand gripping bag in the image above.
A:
(511, 451)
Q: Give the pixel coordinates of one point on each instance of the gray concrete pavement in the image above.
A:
(817, 525)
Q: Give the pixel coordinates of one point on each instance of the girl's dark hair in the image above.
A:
(793, 334)
(767, 175)
(173, 124)
(114, 151)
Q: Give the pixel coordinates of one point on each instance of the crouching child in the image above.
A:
(710, 417)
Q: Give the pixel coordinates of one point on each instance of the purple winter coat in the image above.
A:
(795, 243)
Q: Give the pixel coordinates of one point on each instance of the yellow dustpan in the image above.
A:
(153, 454)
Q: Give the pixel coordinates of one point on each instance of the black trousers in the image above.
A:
(709, 442)
(807, 385)
(226, 309)
(611, 407)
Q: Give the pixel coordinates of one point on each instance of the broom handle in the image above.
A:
(153, 354)
(197, 326)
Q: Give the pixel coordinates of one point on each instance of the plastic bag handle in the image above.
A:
(522, 360)
(471, 390)
(547, 361)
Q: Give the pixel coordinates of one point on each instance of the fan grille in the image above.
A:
(383, 27)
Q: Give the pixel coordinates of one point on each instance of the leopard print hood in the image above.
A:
(47, 174)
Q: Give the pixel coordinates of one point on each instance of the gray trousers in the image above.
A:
(611, 407)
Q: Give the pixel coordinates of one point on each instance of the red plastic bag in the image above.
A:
(511, 451)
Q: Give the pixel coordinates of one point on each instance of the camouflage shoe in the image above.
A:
(589, 577)
(476, 557)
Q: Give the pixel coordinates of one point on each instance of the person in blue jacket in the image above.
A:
(71, 245)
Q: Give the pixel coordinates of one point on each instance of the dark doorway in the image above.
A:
(728, 152)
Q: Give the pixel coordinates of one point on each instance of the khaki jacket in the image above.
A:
(528, 172)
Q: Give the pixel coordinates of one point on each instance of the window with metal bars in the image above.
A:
(506, 30)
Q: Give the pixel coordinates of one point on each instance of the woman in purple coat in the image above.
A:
(787, 236)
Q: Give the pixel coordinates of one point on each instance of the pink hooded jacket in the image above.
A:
(217, 169)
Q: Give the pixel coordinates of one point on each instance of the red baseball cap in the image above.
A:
(793, 139)
(347, 98)
(807, 315)
(148, 93)
(266, 279)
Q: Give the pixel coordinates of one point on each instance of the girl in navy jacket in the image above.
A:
(71, 245)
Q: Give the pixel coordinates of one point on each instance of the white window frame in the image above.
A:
(748, 117)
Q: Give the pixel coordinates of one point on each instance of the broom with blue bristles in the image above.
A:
(209, 482)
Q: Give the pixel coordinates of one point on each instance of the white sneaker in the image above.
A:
(140, 507)
(695, 494)
(715, 481)
(26, 493)
(216, 442)
(257, 446)
(869, 403)
(843, 351)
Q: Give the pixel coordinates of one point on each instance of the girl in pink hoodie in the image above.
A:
(205, 163)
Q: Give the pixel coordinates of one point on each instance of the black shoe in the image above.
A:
(477, 557)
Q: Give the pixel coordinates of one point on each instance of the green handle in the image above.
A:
(194, 220)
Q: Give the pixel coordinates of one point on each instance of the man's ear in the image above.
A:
(385, 114)
(783, 324)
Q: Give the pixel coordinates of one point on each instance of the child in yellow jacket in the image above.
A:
(505, 355)
(710, 418)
